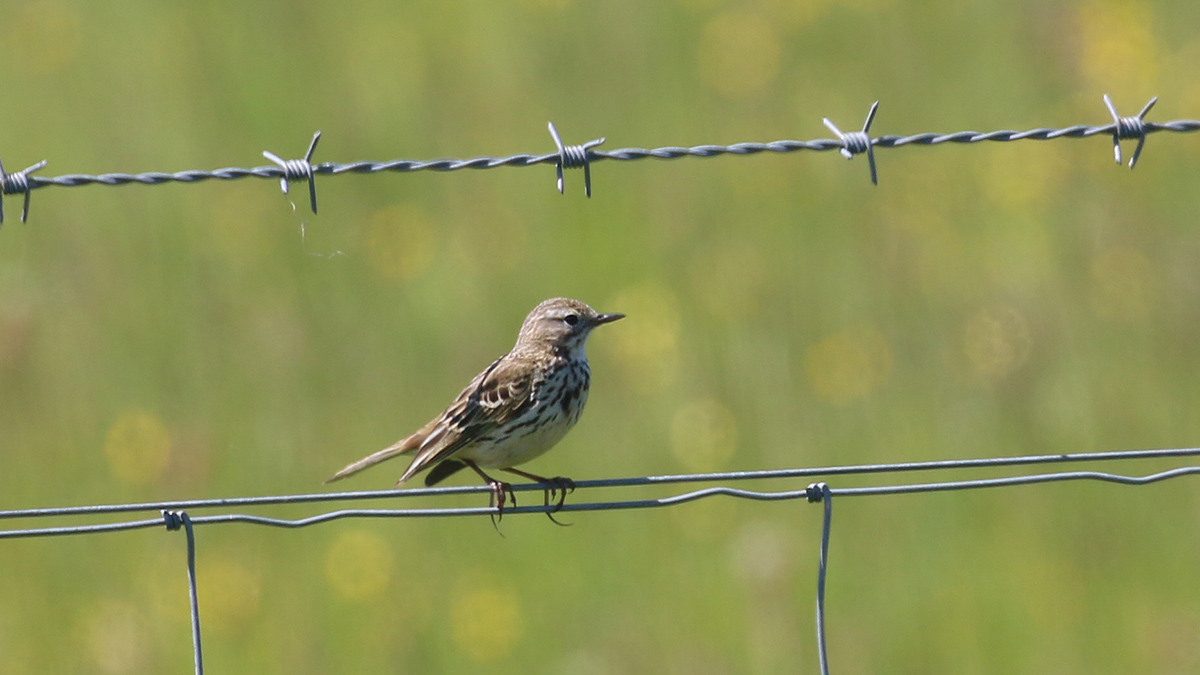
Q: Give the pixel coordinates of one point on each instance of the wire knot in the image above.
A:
(574, 157)
(816, 492)
(857, 142)
(1128, 127)
(298, 169)
(15, 184)
(172, 519)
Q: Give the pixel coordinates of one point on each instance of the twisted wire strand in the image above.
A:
(623, 154)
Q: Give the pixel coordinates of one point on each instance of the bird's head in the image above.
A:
(562, 324)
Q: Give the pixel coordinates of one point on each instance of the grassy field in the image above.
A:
(213, 340)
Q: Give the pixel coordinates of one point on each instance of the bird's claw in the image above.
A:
(559, 486)
(501, 493)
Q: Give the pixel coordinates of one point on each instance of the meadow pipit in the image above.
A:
(513, 411)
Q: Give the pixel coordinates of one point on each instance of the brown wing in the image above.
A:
(483, 393)
(498, 394)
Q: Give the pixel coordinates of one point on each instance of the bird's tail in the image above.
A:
(399, 448)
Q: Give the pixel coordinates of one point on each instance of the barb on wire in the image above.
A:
(1128, 127)
(17, 183)
(857, 142)
(298, 169)
(575, 156)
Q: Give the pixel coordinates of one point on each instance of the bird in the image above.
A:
(519, 407)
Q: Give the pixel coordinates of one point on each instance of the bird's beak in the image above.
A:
(608, 318)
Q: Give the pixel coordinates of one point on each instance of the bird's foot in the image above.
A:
(560, 485)
(501, 493)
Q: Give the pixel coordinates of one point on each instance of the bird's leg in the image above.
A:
(559, 485)
(501, 492)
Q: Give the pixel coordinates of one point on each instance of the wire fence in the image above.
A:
(174, 514)
(566, 156)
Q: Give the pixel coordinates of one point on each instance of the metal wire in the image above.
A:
(568, 156)
(581, 156)
(858, 469)
(173, 521)
(820, 492)
(816, 492)
(602, 505)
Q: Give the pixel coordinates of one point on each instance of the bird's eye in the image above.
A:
(571, 319)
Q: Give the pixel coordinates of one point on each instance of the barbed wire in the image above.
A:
(566, 156)
(174, 516)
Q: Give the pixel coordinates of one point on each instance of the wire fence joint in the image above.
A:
(17, 183)
(573, 157)
(298, 169)
(1128, 127)
(857, 142)
(175, 520)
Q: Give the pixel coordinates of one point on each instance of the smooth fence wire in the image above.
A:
(669, 479)
(582, 155)
(172, 515)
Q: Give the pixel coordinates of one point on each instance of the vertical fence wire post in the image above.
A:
(819, 492)
(173, 520)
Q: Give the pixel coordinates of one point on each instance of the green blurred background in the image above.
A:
(188, 341)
